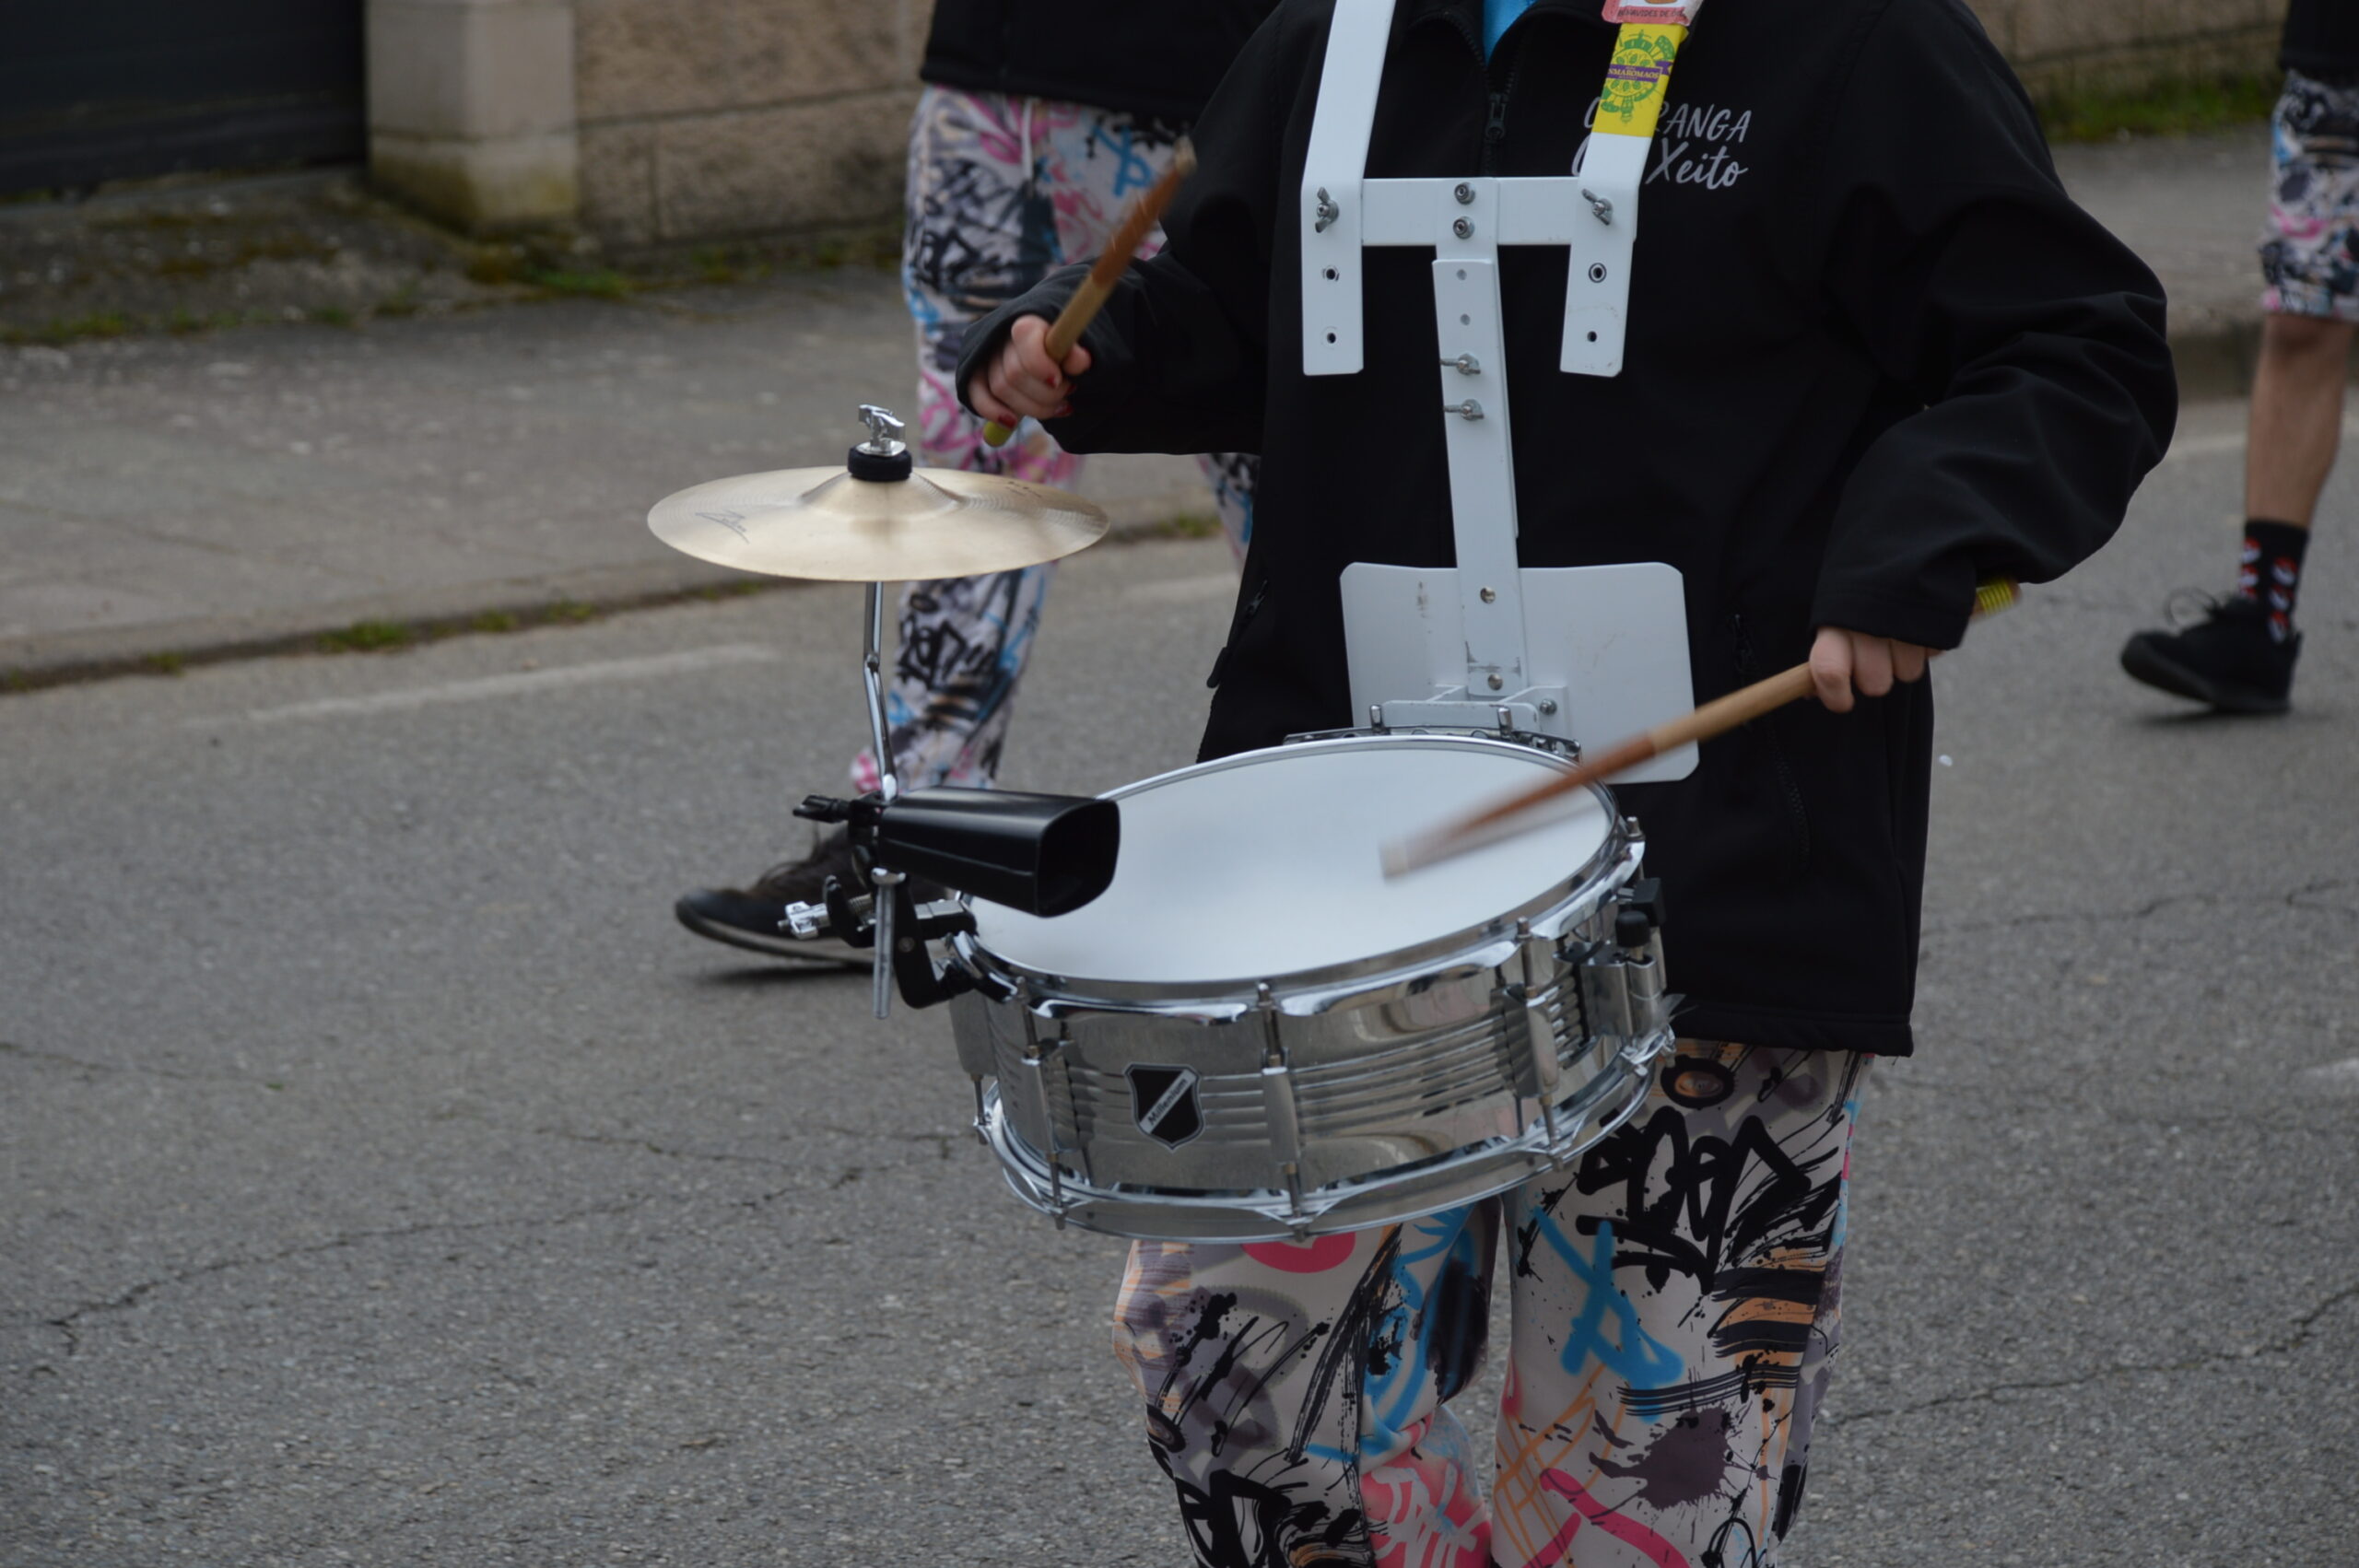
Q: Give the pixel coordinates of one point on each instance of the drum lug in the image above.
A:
(1539, 965)
(1650, 1007)
(1622, 989)
(1605, 994)
(1536, 1075)
(972, 1035)
(1278, 1106)
(1041, 1058)
(970, 1031)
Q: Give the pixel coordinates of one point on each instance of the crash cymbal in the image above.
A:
(823, 524)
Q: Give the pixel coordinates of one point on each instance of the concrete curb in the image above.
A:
(163, 648)
(2214, 358)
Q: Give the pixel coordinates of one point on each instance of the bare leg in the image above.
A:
(2296, 414)
(2238, 656)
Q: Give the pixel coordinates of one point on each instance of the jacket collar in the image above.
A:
(1468, 13)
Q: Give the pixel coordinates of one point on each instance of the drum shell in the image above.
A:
(1381, 1081)
(1413, 1083)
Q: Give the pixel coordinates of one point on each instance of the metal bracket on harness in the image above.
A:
(1606, 646)
(1593, 211)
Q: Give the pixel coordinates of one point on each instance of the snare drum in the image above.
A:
(1253, 1035)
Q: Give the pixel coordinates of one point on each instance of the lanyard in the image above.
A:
(1639, 76)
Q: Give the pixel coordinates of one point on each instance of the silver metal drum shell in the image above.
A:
(1391, 1082)
(1393, 1195)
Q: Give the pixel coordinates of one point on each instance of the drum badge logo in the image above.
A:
(1162, 1102)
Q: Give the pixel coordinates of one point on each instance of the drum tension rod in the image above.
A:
(1280, 1111)
(1037, 1057)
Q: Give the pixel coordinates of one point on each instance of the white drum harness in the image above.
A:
(1581, 654)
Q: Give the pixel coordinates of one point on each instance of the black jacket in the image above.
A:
(2322, 40)
(1875, 355)
(1158, 58)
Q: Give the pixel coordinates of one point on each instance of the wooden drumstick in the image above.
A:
(1107, 271)
(1715, 717)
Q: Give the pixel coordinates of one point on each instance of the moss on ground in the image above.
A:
(2174, 108)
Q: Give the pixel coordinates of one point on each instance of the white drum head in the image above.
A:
(1268, 864)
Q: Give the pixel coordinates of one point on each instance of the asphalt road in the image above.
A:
(389, 1180)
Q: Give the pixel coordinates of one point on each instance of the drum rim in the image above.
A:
(1319, 990)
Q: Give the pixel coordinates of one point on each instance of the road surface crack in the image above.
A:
(2294, 1339)
(69, 1321)
(2145, 911)
(144, 1069)
(645, 1146)
(2306, 898)
(2314, 897)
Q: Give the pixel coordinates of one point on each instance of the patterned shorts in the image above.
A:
(2310, 254)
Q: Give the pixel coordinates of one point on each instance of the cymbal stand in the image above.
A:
(888, 785)
(866, 522)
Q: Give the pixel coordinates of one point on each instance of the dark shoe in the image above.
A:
(2227, 658)
(749, 917)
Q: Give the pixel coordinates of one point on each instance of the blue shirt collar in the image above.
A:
(1497, 16)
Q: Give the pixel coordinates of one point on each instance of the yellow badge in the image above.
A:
(1636, 81)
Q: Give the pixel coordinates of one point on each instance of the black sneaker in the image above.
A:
(749, 917)
(2227, 658)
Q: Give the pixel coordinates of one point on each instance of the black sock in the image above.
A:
(2272, 571)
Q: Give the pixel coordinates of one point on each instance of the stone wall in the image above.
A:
(2069, 46)
(471, 109)
(666, 121)
(709, 119)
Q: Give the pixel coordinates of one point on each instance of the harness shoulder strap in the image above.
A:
(1333, 199)
(1332, 221)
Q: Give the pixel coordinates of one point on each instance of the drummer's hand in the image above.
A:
(1022, 382)
(1843, 662)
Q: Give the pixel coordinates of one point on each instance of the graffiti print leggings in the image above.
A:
(1002, 190)
(1675, 1298)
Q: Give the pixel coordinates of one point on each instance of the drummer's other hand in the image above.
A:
(1843, 662)
(1022, 382)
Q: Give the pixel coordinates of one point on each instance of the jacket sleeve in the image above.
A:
(2033, 339)
(1178, 354)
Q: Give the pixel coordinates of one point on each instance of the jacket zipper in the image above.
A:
(1495, 127)
(1494, 130)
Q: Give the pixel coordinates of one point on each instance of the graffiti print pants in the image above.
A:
(1675, 1298)
(1001, 189)
(2309, 257)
